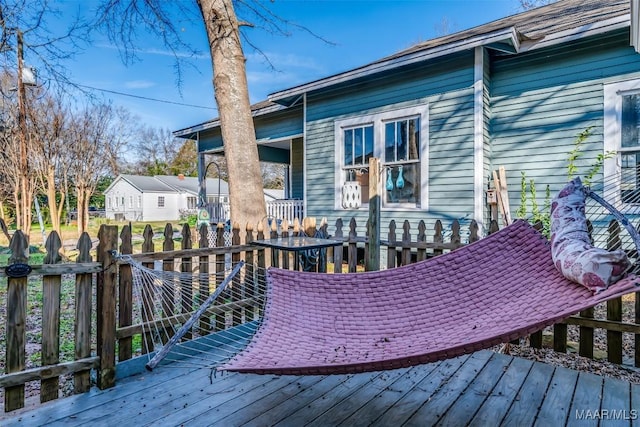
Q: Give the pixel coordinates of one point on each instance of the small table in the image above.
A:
(300, 245)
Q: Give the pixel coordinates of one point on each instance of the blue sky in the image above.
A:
(361, 30)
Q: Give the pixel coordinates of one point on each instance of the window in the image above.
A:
(358, 149)
(161, 201)
(131, 202)
(192, 202)
(622, 136)
(402, 161)
(109, 203)
(399, 138)
(139, 202)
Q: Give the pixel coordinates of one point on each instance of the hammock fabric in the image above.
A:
(498, 289)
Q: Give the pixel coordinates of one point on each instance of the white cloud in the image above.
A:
(139, 84)
(158, 52)
(284, 61)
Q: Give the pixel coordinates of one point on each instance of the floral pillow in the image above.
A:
(571, 248)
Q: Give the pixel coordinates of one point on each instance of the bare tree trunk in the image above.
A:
(16, 202)
(80, 210)
(55, 209)
(246, 194)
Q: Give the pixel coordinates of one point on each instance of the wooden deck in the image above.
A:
(484, 388)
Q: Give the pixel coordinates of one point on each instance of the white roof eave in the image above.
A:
(509, 35)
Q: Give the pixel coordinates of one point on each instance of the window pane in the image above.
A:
(348, 147)
(630, 120)
(401, 140)
(414, 139)
(358, 142)
(402, 183)
(390, 142)
(630, 177)
(368, 143)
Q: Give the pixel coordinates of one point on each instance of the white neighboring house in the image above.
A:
(158, 198)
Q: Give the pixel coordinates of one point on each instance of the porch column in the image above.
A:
(202, 181)
(478, 140)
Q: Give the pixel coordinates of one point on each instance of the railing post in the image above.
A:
(125, 296)
(352, 249)
(82, 379)
(421, 254)
(203, 283)
(391, 248)
(168, 300)
(148, 292)
(372, 261)
(405, 255)
(337, 251)
(51, 291)
(186, 267)
(237, 294)
(106, 306)
(16, 333)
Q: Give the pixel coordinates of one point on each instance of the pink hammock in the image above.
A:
(498, 289)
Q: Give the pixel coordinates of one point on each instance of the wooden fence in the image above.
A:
(113, 317)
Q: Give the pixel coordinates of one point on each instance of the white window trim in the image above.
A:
(378, 121)
(612, 140)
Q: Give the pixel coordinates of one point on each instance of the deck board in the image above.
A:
(466, 406)
(325, 401)
(635, 405)
(616, 400)
(525, 406)
(434, 408)
(587, 397)
(496, 405)
(337, 413)
(480, 389)
(390, 396)
(302, 399)
(558, 398)
(262, 404)
(402, 410)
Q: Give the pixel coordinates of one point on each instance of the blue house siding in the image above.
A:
(283, 124)
(542, 100)
(297, 169)
(447, 89)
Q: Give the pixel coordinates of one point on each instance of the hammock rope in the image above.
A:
(612, 208)
(165, 307)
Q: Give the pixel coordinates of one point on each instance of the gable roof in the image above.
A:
(555, 23)
(171, 184)
(558, 22)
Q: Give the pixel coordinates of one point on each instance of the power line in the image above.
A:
(146, 98)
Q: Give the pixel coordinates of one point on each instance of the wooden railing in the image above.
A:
(289, 210)
(115, 328)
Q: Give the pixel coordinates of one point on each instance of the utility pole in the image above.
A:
(25, 204)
